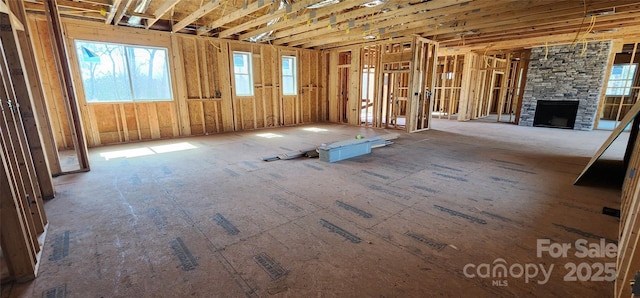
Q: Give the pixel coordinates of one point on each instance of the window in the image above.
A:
(289, 77)
(243, 73)
(121, 73)
(368, 82)
(621, 79)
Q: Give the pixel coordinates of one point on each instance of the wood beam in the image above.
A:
(413, 11)
(4, 8)
(165, 7)
(33, 107)
(266, 18)
(66, 82)
(95, 2)
(549, 30)
(112, 12)
(567, 38)
(535, 16)
(321, 28)
(22, 154)
(93, 15)
(228, 18)
(122, 11)
(194, 16)
(141, 15)
(538, 19)
(82, 5)
(15, 243)
(319, 13)
(17, 227)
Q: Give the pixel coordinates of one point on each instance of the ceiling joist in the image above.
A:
(266, 18)
(453, 23)
(165, 7)
(203, 10)
(290, 21)
(237, 14)
(112, 13)
(122, 11)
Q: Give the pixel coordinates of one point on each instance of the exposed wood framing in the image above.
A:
(71, 104)
(166, 6)
(50, 86)
(628, 261)
(29, 188)
(446, 94)
(332, 84)
(468, 86)
(112, 13)
(229, 17)
(523, 70)
(16, 86)
(615, 107)
(481, 93)
(203, 10)
(33, 107)
(403, 72)
(354, 95)
(504, 88)
(122, 11)
(463, 25)
(297, 6)
(312, 30)
(22, 217)
(318, 13)
(180, 91)
(422, 82)
(202, 82)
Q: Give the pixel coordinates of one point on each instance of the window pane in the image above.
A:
(621, 79)
(288, 86)
(289, 78)
(243, 73)
(240, 63)
(113, 72)
(103, 72)
(243, 85)
(286, 67)
(149, 73)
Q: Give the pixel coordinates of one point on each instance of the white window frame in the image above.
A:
(238, 73)
(294, 74)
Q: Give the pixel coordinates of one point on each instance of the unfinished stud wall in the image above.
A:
(22, 217)
(43, 50)
(397, 74)
(567, 72)
(468, 86)
(202, 82)
(446, 96)
(473, 86)
(615, 107)
(484, 91)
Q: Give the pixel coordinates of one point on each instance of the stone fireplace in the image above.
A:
(566, 74)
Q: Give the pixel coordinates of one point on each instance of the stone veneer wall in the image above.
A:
(566, 74)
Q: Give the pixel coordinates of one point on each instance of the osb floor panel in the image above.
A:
(215, 220)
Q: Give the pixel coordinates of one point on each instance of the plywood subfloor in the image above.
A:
(205, 217)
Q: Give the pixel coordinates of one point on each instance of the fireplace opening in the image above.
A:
(556, 113)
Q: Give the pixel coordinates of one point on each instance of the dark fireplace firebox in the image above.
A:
(556, 113)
